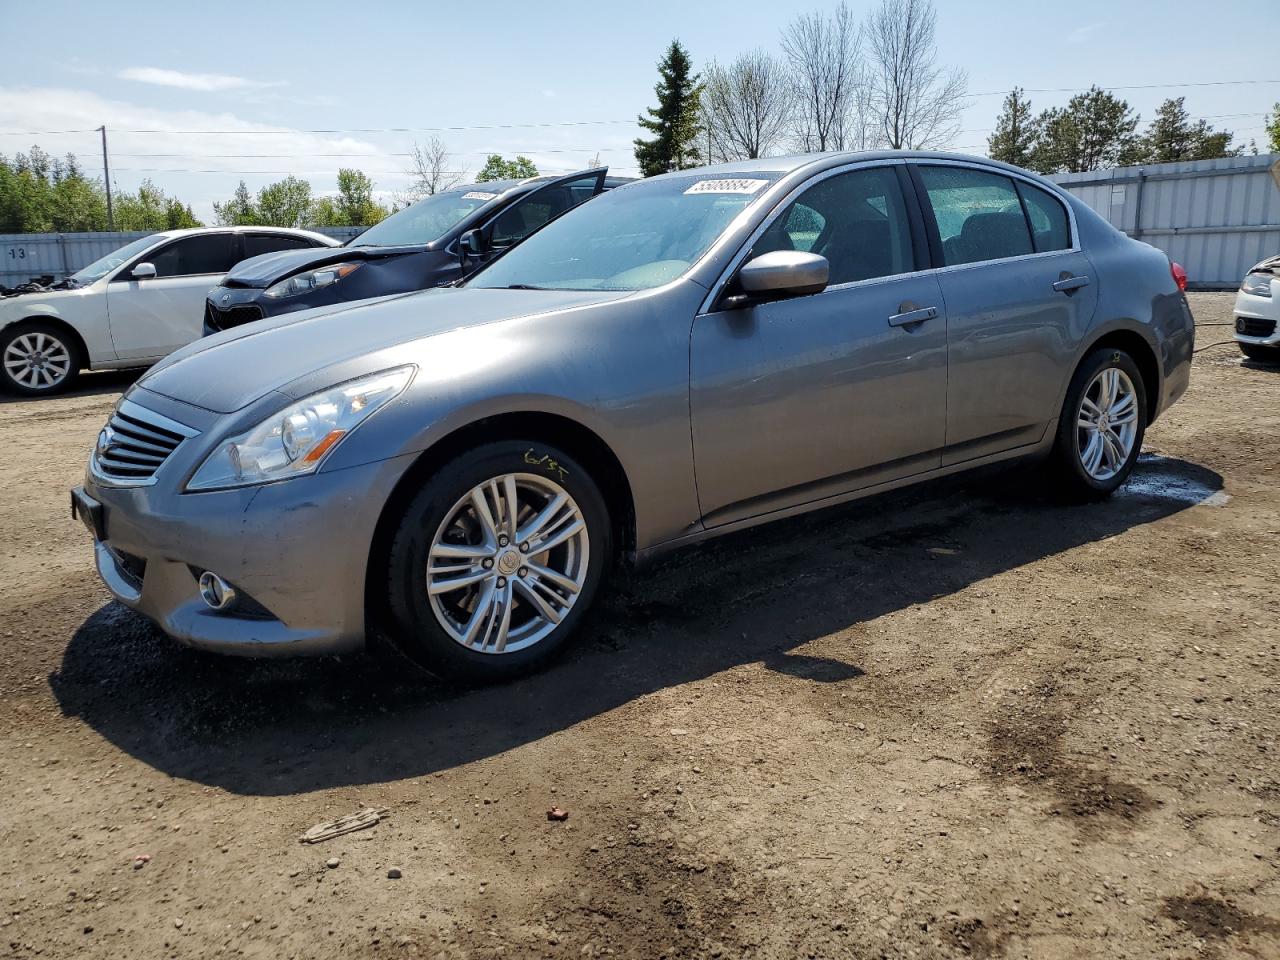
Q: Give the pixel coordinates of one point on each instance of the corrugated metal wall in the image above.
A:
(27, 255)
(1215, 217)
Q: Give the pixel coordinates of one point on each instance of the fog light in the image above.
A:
(216, 592)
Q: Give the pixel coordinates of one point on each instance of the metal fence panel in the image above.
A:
(1215, 217)
(27, 255)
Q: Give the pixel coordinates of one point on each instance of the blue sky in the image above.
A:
(243, 69)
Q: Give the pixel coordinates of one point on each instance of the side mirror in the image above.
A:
(144, 271)
(784, 273)
(472, 242)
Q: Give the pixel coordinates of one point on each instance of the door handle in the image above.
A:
(912, 316)
(1069, 284)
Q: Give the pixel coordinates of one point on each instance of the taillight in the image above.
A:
(1179, 275)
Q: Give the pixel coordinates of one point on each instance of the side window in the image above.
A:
(528, 214)
(1048, 218)
(256, 244)
(979, 214)
(191, 256)
(857, 220)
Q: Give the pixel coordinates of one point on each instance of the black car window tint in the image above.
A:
(857, 220)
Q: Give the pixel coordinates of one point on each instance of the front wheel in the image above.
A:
(38, 358)
(1103, 421)
(496, 560)
(1260, 352)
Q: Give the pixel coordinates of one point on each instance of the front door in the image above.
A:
(539, 206)
(807, 397)
(153, 317)
(1020, 297)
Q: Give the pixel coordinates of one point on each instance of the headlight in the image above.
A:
(1257, 284)
(296, 440)
(301, 283)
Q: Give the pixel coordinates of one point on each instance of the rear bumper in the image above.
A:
(297, 553)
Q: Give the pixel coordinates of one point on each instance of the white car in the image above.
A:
(129, 309)
(1258, 312)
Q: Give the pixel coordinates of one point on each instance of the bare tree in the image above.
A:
(828, 74)
(746, 106)
(916, 102)
(429, 168)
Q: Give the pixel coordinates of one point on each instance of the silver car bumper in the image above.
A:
(296, 552)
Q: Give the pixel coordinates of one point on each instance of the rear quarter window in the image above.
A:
(1050, 229)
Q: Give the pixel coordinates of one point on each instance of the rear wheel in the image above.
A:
(496, 560)
(1103, 421)
(38, 358)
(1260, 352)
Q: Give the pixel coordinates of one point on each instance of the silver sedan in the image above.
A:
(682, 357)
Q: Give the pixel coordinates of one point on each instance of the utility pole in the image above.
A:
(106, 179)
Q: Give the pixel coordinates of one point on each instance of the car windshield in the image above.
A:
(640, 235)
(100, 268)
(425, 220)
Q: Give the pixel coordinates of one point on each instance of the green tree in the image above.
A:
(1273, 128)
(239, 211)
(151, 209)
(496, 168)
(674, 121)
(285, 203)
(355, 199)
(1094, 131)
(1016, 131)
(1172, 137)
(39, 193)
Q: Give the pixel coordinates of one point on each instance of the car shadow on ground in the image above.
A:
(285, 727)
(92, 384)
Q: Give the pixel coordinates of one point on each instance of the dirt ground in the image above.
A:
(960, 721)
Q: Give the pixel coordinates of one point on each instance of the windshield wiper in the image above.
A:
(522, 286)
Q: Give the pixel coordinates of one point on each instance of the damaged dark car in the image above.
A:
(433, 242)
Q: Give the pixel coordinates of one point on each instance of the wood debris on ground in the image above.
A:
(348, 824)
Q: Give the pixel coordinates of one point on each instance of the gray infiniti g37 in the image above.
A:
(682, 357)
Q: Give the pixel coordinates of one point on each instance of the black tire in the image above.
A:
(414, 626)
(1066, 462)
(57, 344)
(1260, 352)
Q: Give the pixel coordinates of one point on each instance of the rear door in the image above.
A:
(808, 397)
(153, 317)
(1020, 296)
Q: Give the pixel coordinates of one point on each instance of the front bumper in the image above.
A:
(1257, 319)
(296, 551)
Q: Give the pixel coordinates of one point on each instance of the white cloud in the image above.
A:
(205, 82)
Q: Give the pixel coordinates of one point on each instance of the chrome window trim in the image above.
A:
(138, 412)
(782, 204)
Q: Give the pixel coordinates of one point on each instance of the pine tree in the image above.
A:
(1016, 131)
(674, 122)
(1095, 130)
(1173, 137)
(1273, 128)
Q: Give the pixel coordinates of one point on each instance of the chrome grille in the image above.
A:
(135, 443)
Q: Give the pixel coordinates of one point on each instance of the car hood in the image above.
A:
(268, 268)
(226, 372)
(1269, 265)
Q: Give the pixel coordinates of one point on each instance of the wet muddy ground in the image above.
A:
(965, 720)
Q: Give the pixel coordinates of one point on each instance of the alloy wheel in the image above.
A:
(507, 563)
(37, 361)
(1107, 423)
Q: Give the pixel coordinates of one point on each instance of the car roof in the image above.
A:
(290, 231)
(788, 164)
